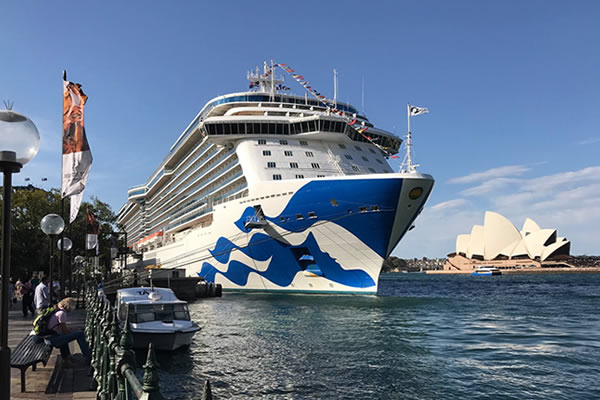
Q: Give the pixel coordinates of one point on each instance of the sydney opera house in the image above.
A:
(500, 244)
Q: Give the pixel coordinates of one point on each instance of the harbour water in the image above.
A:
(423, 337)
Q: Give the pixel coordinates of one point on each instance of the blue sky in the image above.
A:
(512, 88)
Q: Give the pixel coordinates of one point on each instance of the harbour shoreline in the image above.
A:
(524, 271)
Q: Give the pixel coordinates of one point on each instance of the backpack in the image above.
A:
(40, 323)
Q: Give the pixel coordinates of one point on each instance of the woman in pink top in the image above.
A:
(64, 335)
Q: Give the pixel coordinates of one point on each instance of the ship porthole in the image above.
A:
(415, 193)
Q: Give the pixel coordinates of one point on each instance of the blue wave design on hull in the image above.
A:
(283, 266)
(371, 228)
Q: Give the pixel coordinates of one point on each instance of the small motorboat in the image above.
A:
(484, 271)
(156, 316)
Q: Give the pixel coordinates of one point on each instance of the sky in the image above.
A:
(512, 88)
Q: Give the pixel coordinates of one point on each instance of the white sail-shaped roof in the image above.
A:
(499, 233)
(476, 242)
(462, 243)
(508, 250)
(520, 250)
(499, 237)
(529, 226)
(536, 241)
(562, 247)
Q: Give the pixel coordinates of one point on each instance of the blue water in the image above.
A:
(423, 337)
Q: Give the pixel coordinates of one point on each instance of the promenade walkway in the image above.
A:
(51, 381)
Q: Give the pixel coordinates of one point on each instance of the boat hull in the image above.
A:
(168, 341)
(347, 225)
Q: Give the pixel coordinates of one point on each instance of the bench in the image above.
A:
(29, 352)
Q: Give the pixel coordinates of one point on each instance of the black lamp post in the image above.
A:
(67, 246)
(19, 143)
(52, 225)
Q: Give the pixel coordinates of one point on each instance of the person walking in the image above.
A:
(65, 335)
(11, 292)
(27, 295)
(42, 297)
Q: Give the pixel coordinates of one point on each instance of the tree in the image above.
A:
(30, 246)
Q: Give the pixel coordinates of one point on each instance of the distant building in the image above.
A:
(499, 243)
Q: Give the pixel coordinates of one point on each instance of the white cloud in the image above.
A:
(499, 172)
(450, 204)
(589, 141)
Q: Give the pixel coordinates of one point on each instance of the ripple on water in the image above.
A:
(424, 337)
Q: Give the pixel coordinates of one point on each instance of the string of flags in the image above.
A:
(350, 121)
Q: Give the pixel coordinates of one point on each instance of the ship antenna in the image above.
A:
(335, 88)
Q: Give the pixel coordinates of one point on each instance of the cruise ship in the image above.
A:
(269, 191)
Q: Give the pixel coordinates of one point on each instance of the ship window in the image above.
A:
(375, 208)
(364, 209)
(364, 158)
(272, 129)
(309, 154)
(357, 148)
(264, 128)
(348, 156)
(256, 128)
(279, 129)
(303, 143)
(286, 129)
(282, 219)
(288, 153)
(299, 217)
(333, 202)
(266, 152)
(312, 126)
(326, 125)
(276, 177)
(312, 215)
(355, 168)
(299, 177)
(315, 165)
(271, 165)
(227, 129)
(283, 141)
(372, 170)
(379, 161)
(342, 146)
(293, 165)
(320, 176)
(305, 127)
(219, 129)
(249, 129)
(234, 129)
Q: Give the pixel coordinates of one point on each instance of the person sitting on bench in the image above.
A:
(64, 336)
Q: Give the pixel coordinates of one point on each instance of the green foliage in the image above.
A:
(30, 246)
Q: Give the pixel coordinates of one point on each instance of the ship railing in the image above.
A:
(113, 360)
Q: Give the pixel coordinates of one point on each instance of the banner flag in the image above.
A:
(417, 110)
(93, 227)
(77, 157)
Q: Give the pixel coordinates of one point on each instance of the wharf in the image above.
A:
(71, 383)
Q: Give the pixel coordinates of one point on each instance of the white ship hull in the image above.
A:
(346, 227)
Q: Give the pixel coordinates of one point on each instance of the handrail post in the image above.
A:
(151, 385)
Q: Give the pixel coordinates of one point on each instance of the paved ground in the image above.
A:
(69, 383)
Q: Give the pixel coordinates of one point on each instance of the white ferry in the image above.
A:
(156, 316)
(268, 191)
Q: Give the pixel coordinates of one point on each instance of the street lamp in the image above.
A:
(19, 143)
(52, 225)
(67, 246)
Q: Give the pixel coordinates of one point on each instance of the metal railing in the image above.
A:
(113, 358)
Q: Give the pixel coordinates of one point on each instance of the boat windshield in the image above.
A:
(158, 312)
